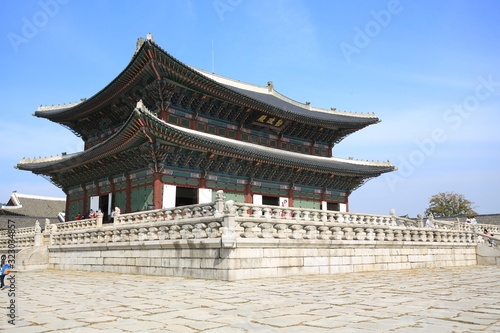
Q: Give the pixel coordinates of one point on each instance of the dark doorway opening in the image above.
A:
(333, 206)
(186, 196)
(104, 206)
(271, 201)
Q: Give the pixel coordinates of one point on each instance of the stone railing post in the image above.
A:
(99, 219)
(228, 232)
(38, 234)
(420, 221)
(219, 204)
(46, 233)
(48, 227)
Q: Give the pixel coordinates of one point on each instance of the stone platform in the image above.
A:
(453, 299)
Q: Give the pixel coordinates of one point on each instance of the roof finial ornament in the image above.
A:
(140, 105)
(150, 37)
(140, 41)
(270, 86)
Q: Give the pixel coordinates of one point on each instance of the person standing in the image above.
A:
(4, 270)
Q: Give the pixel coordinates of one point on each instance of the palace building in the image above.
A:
(165, 134)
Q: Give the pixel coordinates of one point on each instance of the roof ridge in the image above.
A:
(36, 196)
(269, 89)
(59, 106)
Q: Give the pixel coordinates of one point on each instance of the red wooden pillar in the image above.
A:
(97, 191)
(128, 198)
(347, 203)
(248, 193)
(290, 196)
(163, 114)
(85, 201)
(157, 191)
(112, 190)
(66, 216)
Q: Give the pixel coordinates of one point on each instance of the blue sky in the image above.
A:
(428, 69)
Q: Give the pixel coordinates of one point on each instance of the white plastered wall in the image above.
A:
(204, 195)
(169, 192)
(94, 203)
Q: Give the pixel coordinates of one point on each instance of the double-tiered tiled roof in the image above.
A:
(131, 111)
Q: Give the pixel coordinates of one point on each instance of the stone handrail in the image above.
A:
(347, 231)
(19, 232)
(76, 225)
(167, 214)
(19, 241)
(493, 228)
(195, 228)
(306, 215)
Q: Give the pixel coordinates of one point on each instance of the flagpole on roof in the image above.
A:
(213, 55)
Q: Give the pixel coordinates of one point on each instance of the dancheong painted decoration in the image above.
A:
(165, 134)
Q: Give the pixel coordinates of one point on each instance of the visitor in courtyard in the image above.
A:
(492, 241)
(91, 214)
(4, 270)
(473, 220)
(78, 216)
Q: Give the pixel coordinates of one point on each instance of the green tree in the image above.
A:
(446, 204)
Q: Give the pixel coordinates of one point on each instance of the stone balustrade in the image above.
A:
(345, 231)
(493, 228)
(168, 214)
(19, 241)
(19, 232)
(76, 225)
(230, 221)
(315, 215)
(195, 228)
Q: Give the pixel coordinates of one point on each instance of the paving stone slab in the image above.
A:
(462, 299)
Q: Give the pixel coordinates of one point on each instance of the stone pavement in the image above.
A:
(464, 299)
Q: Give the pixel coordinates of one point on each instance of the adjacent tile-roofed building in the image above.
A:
(481, 218)
(33, 205)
